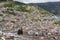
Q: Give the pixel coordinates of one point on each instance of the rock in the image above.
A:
(41, 34)
(43, 38)
(49, 33)
(1, 32)
(36, 33)
(30, 32)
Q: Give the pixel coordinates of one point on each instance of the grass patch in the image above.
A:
(10, 11)
(17, 7)
(36, 20)
(1, 18)
(42, 11)
(1, 14)
(9, 4)
(58, 22)
(22, 8)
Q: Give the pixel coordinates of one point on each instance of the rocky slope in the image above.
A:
(35, 22)
(53, 7)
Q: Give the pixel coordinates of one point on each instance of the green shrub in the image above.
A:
(1, 18)
(43, 11)
(1, 14)
(58, 22)
(10, 11)
(14, 5)
(22, 8)
(10, 4)
(35, 20)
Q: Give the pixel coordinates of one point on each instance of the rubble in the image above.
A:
(34, 24)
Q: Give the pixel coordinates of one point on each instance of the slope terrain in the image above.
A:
(36, 23)
(53, 7)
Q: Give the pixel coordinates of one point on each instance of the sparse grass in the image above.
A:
(13, 5)
(36, 20)
(58, 22)
(1, 14)
(10, 11)
(22, 8)
(1, 18)
(42, 11)
(26, 16)
(8, 4)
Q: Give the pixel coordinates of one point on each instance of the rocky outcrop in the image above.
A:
(33, 20)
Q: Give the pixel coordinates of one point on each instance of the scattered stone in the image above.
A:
(14, 20)
(43, 38)
(30, 32)
(49, 33)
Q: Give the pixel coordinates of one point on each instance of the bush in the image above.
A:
(9, 4)
(58, 22)
(22, 8)
(10, 11)
(1, 14)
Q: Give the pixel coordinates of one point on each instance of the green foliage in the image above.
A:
(26, 16)
(36, 20)
(1, 14)
(58, 22)
(1, 18)
(16, 6)
(22, 8)
(43, 11)
(10, 11)
(10, 4)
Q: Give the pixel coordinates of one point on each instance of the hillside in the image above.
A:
(34, 21)
(53, 7)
